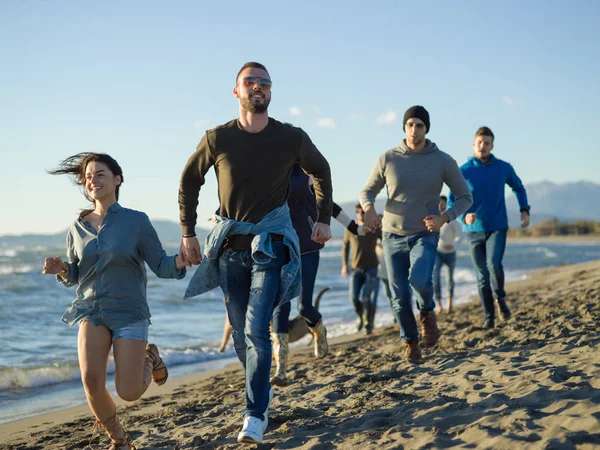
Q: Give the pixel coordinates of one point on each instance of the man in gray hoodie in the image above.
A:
(414, 174)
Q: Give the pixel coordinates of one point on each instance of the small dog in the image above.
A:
(298, 326)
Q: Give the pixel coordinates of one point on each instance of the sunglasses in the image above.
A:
(251, 81)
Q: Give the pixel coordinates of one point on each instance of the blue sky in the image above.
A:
(144, 80)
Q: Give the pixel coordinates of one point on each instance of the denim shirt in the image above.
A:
(108, 268)
(277, 221)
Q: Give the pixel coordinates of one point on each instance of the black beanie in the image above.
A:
(417, 112)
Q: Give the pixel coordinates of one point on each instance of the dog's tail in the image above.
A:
(319, 295)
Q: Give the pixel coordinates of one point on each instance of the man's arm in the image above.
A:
(316, 166)
(460, 197)
(517, 187)
(192, 180)
(367, 196)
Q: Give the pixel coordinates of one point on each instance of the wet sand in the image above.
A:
(533, 382)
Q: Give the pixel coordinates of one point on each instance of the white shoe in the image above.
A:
(252, 431)
(254, 428)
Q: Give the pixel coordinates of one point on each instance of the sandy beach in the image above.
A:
(533, 382)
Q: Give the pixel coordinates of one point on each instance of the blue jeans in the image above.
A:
(310, 266)
(251, 292)
(487, 251)
(364, 288)
(448, 259)
(410, 261)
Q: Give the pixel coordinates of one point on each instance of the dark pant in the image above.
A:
(310, 266)
(251, 291)
(364, 288)
(449, 260)
(487, 251)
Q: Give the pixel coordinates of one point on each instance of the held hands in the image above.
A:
(53, 266)
(434, 222)
(190, 251)
(524, 219)
(180, 262)
(321, 233)
(470, 218)
(371, 218)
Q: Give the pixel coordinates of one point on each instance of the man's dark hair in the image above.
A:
(251, 64)
(443, 197)
(485, 131)
(358, 206)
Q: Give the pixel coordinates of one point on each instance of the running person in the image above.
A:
(486, 221)
(253, 251)
(106, 250)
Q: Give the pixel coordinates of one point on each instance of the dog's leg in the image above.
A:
(226, 334)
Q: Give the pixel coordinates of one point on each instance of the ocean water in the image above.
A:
(38, 359)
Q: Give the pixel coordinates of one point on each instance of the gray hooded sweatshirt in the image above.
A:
(414, 181)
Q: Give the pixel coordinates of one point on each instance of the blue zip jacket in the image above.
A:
(277, 221)
(486, 182)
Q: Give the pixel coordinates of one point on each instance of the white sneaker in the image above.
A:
(254, 428)
(252, 431)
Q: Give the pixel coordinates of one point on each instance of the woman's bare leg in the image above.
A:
(93, 347)
(131, 380)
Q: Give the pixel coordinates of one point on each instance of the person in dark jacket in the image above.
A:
(303, 211)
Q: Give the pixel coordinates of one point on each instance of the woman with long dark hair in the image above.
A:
(106, 250)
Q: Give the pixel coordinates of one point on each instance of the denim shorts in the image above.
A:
(137, 330)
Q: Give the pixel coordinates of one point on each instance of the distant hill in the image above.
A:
(565, 201)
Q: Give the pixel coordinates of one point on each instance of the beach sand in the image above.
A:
(533, 382)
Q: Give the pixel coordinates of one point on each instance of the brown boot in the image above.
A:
(153, 360)
(280, 354)
(319, 333)
(412, 351)
(119, 439)
(429, 328)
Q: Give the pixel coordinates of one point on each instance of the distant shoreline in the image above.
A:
(565, 238)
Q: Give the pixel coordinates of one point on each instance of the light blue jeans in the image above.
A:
(251, 292)
(410, 261)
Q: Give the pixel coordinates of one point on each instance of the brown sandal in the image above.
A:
(119, 439)
(159, 369)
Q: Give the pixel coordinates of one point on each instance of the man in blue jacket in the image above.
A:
(486, 222)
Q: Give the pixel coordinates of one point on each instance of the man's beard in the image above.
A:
(256, 109)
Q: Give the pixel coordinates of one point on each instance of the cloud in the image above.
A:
(512, 101)
(316, 110)
(201, 123)
(387, 118)
(295, 111)
(326, 122)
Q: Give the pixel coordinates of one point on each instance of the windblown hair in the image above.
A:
(75, 167)
(485, 131)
